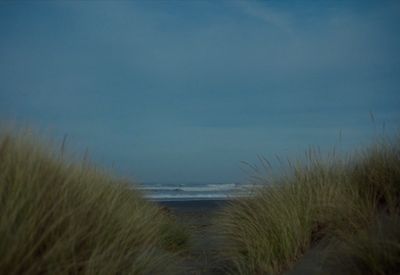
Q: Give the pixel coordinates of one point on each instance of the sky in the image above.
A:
(185, 91)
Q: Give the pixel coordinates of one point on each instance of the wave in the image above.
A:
(213, 191)
(198, 188)
(160, 197)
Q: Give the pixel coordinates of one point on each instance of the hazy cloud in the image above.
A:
(155, 86)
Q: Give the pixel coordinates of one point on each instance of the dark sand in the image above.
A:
(198, 216)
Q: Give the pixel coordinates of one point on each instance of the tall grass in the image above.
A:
(340, 203)
(64, 217)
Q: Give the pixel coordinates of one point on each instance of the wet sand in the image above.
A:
(197, 216)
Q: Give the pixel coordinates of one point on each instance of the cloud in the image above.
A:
(157, 84)
(269, 15)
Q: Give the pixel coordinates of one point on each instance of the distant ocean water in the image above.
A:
(193, 191)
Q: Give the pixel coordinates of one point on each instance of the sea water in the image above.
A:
(193, 191)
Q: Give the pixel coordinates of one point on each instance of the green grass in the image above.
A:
(59, 216)
(345, 203)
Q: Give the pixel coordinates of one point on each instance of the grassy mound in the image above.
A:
(59, 217)
(348, 208)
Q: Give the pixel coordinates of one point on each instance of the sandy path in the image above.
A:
(198, 216)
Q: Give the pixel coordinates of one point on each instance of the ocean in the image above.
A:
(193, 191)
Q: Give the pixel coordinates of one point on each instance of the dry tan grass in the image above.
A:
(64, 217)
(339, 200)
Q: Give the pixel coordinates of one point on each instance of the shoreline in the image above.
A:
(199, 204)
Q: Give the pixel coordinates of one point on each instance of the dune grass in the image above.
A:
(65, 217)
(60, 216)
(351, 205)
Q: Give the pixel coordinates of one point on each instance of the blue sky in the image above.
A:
(175, 91)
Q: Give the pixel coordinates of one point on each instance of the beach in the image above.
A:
(197, 216)
(318, 219)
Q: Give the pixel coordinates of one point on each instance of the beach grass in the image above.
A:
(62, 216)
(346, 207)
